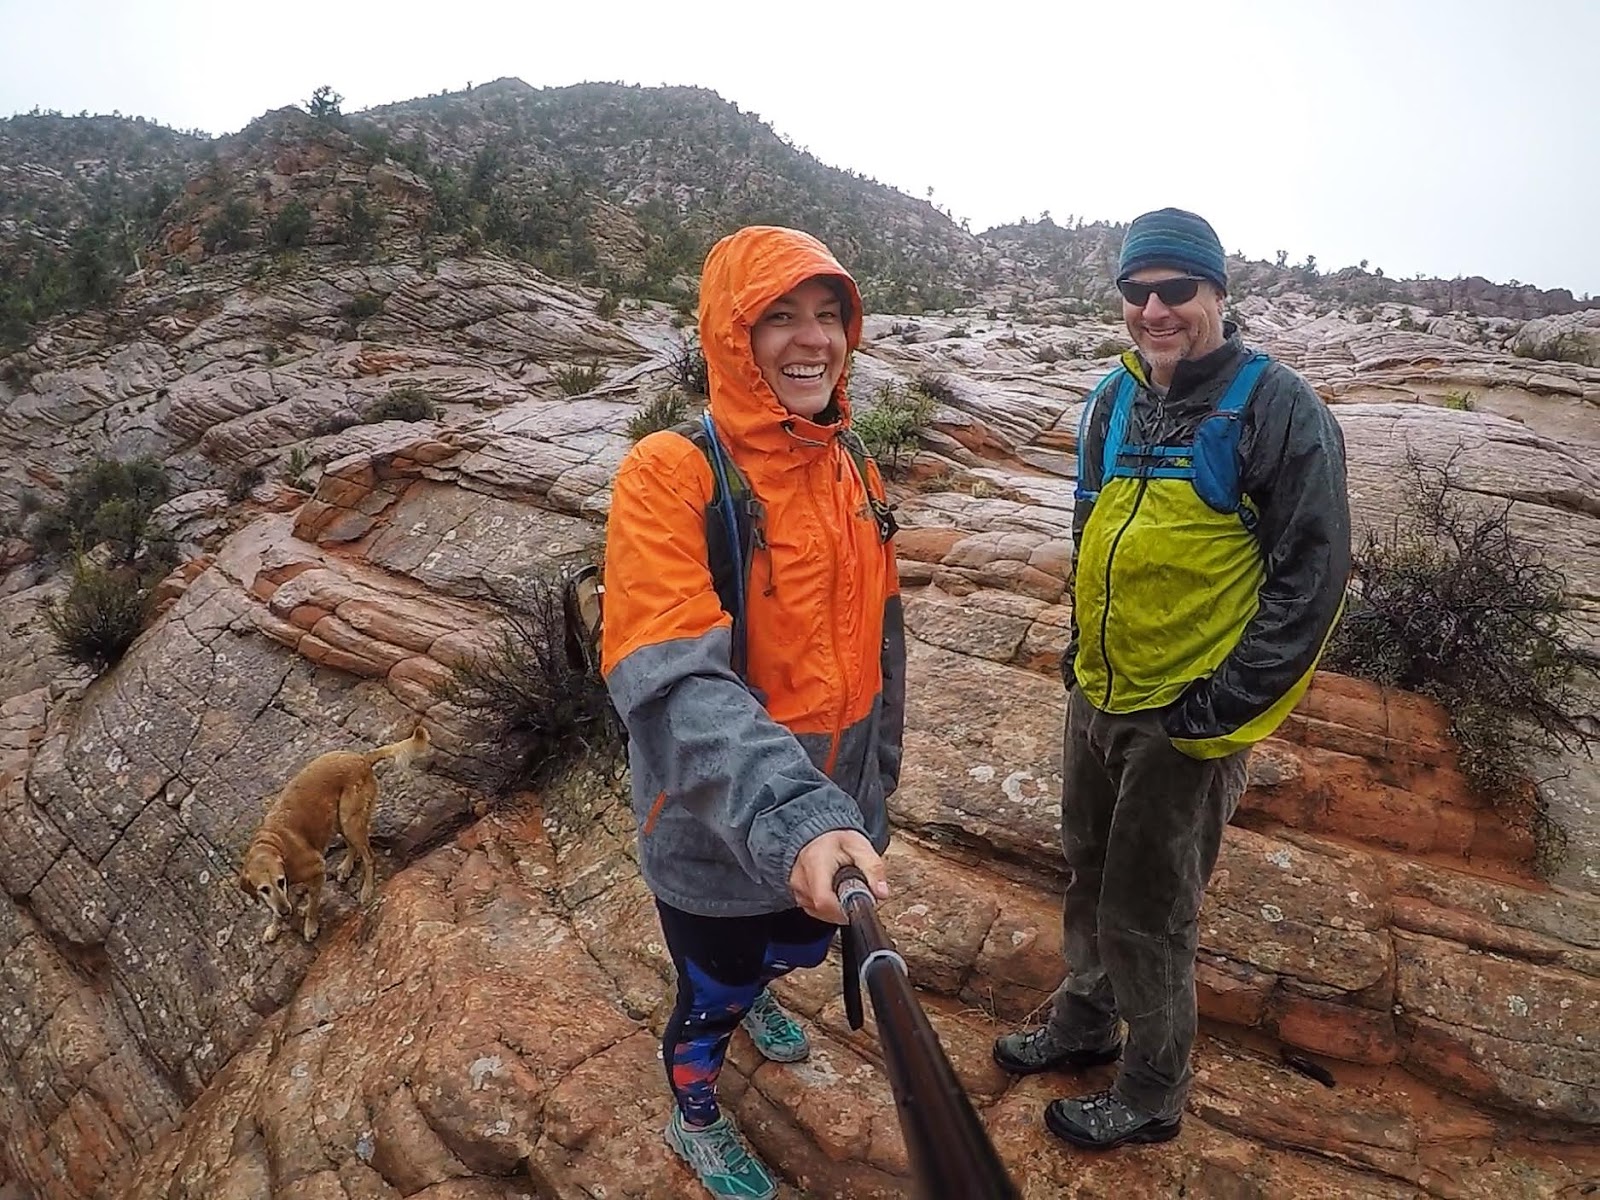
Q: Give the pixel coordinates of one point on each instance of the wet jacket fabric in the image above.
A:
(730, 781)
(1185, 609)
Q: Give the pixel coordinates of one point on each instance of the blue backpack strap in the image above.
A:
(1216, 445)
(1079, 492)
(1244, 382)
(1117, 430)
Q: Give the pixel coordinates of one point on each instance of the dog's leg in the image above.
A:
(313, 922)
(273, 929)
(355, 819)
(346, 867)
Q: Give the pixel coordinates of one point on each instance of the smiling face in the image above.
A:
(799, 344)
(1166, 335)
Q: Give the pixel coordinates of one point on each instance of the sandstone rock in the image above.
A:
(1570, 337)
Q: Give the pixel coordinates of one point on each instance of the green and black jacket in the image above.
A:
(1182, 608)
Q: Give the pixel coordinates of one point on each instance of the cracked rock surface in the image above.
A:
(488, 1026)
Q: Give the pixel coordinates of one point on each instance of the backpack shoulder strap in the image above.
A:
(882, 510)
(1243, 383)
(1123, 382)
(733, 524)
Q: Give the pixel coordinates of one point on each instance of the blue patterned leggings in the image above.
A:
(723, 963)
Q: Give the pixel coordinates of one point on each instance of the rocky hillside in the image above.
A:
(618, 187)
(487, 1027)
(1076, 261)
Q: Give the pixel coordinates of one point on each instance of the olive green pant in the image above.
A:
(1141, 824)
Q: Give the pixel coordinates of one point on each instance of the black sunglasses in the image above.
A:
(1180, 289)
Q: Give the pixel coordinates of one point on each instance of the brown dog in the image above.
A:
(333, 793)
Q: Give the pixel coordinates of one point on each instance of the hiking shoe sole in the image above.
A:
(1072, 1060)
(1145, 1135)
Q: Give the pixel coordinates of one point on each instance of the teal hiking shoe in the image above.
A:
(776, 1034)
(718, 1155)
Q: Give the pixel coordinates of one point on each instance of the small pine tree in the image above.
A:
(291, 227)
(324, 103)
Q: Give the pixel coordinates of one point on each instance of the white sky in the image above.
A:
(1440, 137)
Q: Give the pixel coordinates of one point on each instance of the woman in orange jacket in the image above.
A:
(752, 788)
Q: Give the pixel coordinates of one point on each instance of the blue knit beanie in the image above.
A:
(1171, 237)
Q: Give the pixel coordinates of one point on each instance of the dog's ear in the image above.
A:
(244, 885)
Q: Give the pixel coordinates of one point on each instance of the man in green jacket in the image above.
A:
(1212, 535)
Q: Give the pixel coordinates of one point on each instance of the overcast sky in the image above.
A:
(1441, 137)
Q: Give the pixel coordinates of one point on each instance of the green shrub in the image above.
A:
(1459, 401)
(244, 482)
(407, 402)
(230, 229)
(577, 379)
(109, 500)
(102, 613)
(606, 307)
(291, 227)
(359, 220)
(935, 387)
(538, 703)
(661, 412)
(892, 427)
(1108, 348)
(689, 368)
(295, 468)
(324, 104)
(1450, 602)
(362, 306)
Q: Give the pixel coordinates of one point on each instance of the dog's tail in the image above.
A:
(402, 752)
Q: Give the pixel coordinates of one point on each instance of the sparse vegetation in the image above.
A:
(606, 307)
(107, 501)
(936, 387)
(578, 378)
(361, 306)
(295, 468)
(359, 220)
(689, 368)
(1109, 348)
(406, 402)
(893, 425)
(229, 230)
(102, 613)
(291, 227)
(538, 705)
(1459, 401)
(1450, 602)
(660, 412)
(324, 103)
(245, 481)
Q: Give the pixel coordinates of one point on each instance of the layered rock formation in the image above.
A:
(487, 1027)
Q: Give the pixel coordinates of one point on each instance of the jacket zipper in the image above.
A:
(1105, 608)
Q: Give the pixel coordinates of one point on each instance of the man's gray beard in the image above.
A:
(1168, 360)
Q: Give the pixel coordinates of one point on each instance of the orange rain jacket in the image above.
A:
(730, 781)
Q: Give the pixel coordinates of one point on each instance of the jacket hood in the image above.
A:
(744, 273)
